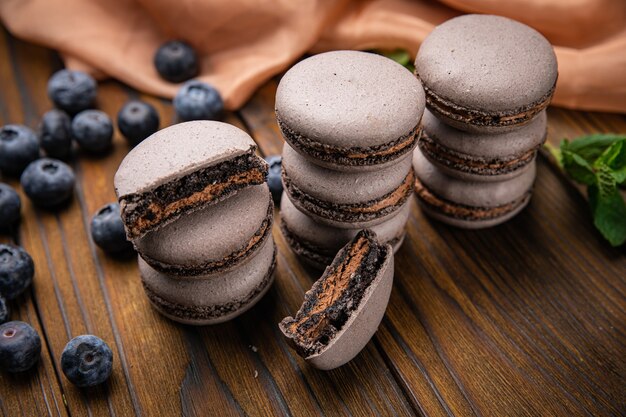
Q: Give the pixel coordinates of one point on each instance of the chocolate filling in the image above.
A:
(521, 115)
(222, 264)
(354, 212)
(354, 156)
(470, 163)
(336, 295)
(146, 211)
(208, 312)
(462, 211)
(314, 253)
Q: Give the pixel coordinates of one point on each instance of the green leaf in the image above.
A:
(592, 146)
(555, 152)
(578, 168)
(614, 158)
(609, 213)
(401, 56)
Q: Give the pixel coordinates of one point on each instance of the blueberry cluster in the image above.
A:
(49, 183)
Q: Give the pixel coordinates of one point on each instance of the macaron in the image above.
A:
(214, 239)
(342, 310)
(484, 73)
(184, 168)
(350, 110)
(211, 299)
(346, 199)
(317, 243)
(467, 204)
(480, 157)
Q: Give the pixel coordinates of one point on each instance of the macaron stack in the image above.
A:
(488, 81)
(196, 206)
(350, 121)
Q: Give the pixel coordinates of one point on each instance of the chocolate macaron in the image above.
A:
(350, 110)
(346, 199)
(480, 157)
(484, 73)
(213, 239)
(184, 168)
(343, 309)
(211, 299)
(468, 204)
(317, 243)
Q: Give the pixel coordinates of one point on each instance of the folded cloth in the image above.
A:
(243, 43)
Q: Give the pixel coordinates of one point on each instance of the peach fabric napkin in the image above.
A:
(243, 43)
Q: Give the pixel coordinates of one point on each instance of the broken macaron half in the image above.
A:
(342, 310)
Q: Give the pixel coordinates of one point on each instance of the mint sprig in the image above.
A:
(599, 161)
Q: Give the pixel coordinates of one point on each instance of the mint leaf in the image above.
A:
(609, 213)
(401, 56)
(614, 158)
(578, 168)
(592, 146)
(599, 161)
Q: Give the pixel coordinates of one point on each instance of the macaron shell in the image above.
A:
(475, 194)
(343, 187)
(210, 234)
(505, 145)
(361, 325)
(305, 227)
(473, 224)
(178, 150)
(487, 63)
(350, 99)
(231, 293)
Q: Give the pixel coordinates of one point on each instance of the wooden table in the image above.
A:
(527, 318)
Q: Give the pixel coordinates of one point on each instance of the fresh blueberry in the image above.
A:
(48, 182)
(107, 230)
(20, 346)
(93, 130)
(273, 177)
(55, 134)
(176, 61)
(87, 361)
(137, 120)
(72, 91)
(198, 101)
(18, 147)
(4, 310)
(10, 206)
(16, 270)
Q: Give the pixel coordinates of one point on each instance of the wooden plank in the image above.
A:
(36, 392)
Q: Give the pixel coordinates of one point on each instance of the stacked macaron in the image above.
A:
(196, 206)
(488, 81)
(351, 121)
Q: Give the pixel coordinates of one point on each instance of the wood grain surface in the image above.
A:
(528, 318)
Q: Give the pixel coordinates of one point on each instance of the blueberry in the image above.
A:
(137, 120)
(93, 130)
(107, 230)
(10, 206)
(176, 61)
(72, 91)
(20, 346)
(198, 101)
(4, 310)
(48, 182)
(273, 177)
(16, 270)
(18, 147)
(87, 361)
(55, 134)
